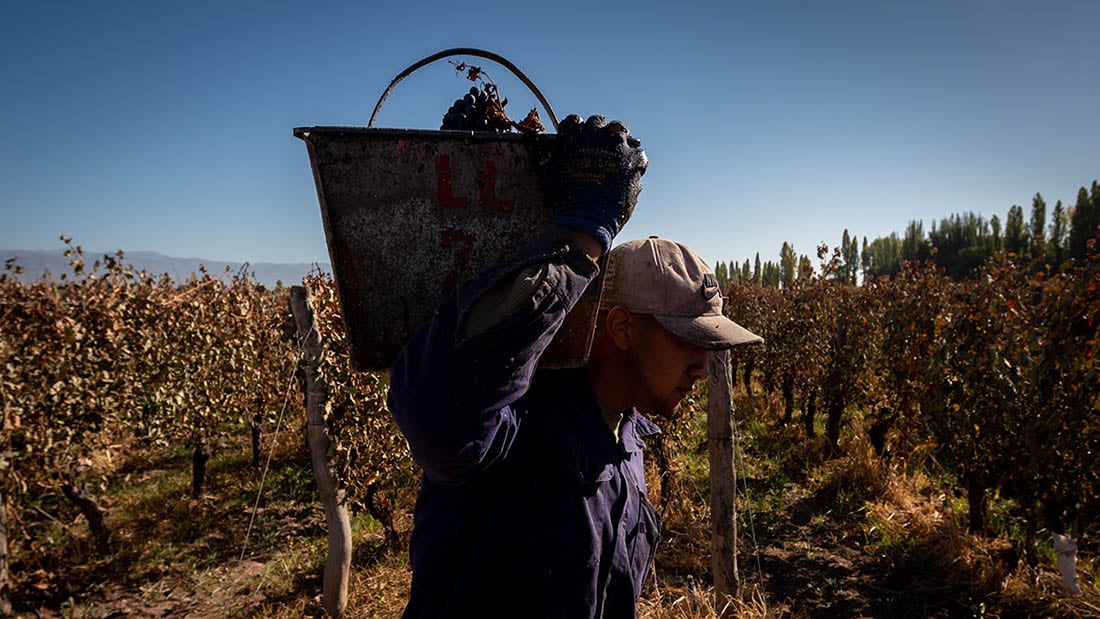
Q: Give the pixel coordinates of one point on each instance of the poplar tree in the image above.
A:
(770, 276)
(849, 259)
(914, 247)
(805, 267)
(961, 243)
(865, 260)
(1083, 222)
(721, 274)
(1015, 234)
(884, 256)
(842, 271)
(788, 263)
(1056, 248)
(1094, 210)
(1038, 226)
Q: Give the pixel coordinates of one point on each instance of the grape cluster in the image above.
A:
(473, 112)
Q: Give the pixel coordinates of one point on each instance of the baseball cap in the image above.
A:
(669, 281)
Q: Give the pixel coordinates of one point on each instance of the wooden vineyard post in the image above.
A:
(723, 478)
(333, 498)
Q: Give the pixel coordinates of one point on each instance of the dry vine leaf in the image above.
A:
(494, 111)
(472, 73)
(496, 114)
(531, 123)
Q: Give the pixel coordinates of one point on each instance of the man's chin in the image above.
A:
(663, 410)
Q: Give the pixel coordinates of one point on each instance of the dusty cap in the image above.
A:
(668, 280)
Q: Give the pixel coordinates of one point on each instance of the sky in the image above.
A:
(167, 126)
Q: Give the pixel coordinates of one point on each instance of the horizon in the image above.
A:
(126, 252)
(167, 128)
(5, 253)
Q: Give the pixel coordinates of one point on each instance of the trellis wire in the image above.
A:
(274, 441)
(739, 463)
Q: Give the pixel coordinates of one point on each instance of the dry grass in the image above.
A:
(695, 602)
(179, 557)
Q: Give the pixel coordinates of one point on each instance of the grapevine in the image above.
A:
(994, 379)
(995, 376)
(482, 109)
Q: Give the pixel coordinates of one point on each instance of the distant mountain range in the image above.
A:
(38, 262)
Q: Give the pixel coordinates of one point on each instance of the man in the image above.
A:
(533, 500)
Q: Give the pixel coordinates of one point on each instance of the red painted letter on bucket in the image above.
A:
(487, 185)
(447, 199)
(450, 237)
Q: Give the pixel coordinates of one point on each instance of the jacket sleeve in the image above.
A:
(452, 388)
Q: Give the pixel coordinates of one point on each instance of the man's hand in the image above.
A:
(599, 176)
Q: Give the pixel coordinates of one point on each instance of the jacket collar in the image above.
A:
(634, 428)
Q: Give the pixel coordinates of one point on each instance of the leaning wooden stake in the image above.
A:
(723, 478)
(333, 498)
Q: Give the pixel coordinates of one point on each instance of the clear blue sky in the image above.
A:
(166, 126)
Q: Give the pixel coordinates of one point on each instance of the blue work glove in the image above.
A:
(599, 176)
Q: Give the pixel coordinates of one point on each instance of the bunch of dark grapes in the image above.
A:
(479, 110)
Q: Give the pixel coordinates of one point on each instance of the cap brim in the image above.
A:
(715, 332)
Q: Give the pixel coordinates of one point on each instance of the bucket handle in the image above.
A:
(467, 51)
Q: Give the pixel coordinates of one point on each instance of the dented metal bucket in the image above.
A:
(409, 214)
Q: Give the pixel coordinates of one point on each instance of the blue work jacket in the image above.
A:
(528, 506)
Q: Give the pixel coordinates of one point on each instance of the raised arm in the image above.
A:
(453, 387)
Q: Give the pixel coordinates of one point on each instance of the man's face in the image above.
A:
(667, 367)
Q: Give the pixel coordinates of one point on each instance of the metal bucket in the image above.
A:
(409, 214)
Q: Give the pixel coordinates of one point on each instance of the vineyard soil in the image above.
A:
(813, 543)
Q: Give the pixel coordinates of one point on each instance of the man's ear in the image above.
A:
(618, 324)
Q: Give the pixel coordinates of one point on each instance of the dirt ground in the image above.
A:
(805, 550)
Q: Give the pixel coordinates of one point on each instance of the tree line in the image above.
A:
(975, 343)
(959, 244)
